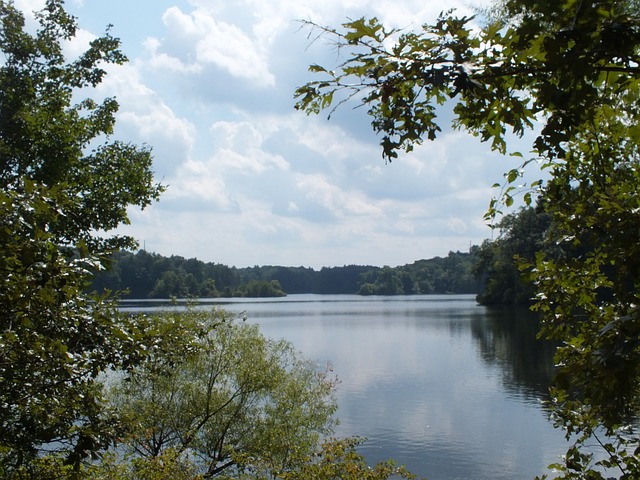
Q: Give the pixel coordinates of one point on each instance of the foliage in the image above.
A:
(167, 465)
(145, 275)
(110, 467)
(522, 236)
(54, 340)
(590, 302)
(548, 63)
(262, 288)
(149, 275)
(221, 395)
(438, 275)
(52, 141)
(62, 191)
(570, 70)
(335, 459)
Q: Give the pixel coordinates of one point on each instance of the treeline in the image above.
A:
(451, 274)
(490, 270)
(150, 275)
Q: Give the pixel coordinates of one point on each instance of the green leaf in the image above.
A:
(316, 68)
(508, 200)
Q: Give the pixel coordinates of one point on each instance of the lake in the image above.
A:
(450, 389)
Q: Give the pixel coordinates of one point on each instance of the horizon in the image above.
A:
(209, 86)
(300, 266)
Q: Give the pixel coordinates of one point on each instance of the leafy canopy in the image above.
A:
(65, 183)
(220, 394)
(521, 236)
(47, 139)
(569, 71)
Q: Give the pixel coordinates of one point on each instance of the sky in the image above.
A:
(251, 181)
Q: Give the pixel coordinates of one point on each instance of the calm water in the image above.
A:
(450, 389)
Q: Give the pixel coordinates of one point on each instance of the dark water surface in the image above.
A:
(450, 389)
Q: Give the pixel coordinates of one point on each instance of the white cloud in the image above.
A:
(29, 6)
(163, 62)
(457, 225)
(198, 39)
(251, 181)
(201, 189)
(341, 203)
(239, 147)
(78, 44)
(145, 116)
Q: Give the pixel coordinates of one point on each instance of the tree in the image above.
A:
(262, 288)
(338, 459)
(65, 185)
(522, 235)
(569, 69)
(451, 274)
(218, 393)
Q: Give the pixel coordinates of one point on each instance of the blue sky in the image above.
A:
(250, 180)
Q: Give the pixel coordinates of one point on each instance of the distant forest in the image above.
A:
(149, 275)
(488, 270)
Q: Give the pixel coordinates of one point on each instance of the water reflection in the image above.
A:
(507, 337)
